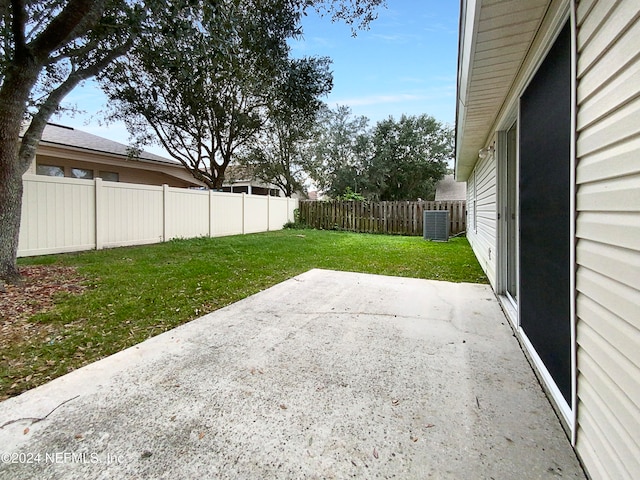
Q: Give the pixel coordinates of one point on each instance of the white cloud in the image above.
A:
(312, 45)
(378, 99)
(396, 37)
(437, 101)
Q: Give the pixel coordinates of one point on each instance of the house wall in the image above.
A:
(140, 172)
(491, 192)
(66, 214)
(607, 225)
(608, 238)
(254, 187)
(482, 214)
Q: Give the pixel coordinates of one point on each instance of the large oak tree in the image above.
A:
(208, 94)
(395, 160)
(47, 48)
(339, 151)
(409, 157)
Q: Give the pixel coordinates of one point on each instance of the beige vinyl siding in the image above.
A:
(608, 238)
(482, 234)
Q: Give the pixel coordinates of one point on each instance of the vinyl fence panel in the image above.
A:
(58, 215)
(186, 213)
(128, 214)
(278, 212)
(226, 214)
(66, 215)
(256, 213)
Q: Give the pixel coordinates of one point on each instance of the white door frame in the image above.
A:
(503, 190)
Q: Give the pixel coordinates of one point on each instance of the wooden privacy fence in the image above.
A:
(403, 218)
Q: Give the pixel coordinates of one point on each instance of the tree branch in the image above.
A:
(87, 48)
(17, 28)
(75, 20)
(39, 121)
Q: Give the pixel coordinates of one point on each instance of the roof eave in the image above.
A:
(495, 38)
(469, 16)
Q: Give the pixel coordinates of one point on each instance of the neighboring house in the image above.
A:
(448, 190)
(548, 141)
(240, 179)
(67, 152)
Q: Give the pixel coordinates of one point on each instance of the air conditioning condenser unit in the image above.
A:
(436, 225)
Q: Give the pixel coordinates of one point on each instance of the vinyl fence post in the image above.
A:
(244, 217)
(268, 210)
(98, 208)
(210, 213)
(165, 212)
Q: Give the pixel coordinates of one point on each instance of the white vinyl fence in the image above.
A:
(67, 215)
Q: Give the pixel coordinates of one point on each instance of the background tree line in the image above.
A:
(393, 160)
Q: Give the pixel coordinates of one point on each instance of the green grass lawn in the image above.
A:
(139, 292)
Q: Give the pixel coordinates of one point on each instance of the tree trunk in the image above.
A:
(13, 99)
(23, 67)
(10, 211)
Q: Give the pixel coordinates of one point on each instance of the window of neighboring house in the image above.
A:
(240, 189)
(82, 173)
(109, 176)
(50, 170)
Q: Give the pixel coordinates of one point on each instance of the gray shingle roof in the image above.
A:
(448, 189)
(68, 136)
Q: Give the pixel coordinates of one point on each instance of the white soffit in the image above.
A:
(494, 40)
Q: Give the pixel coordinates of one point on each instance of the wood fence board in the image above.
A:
(405, 217)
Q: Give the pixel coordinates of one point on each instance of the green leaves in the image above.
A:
(409, 157)
(395, 160)
(339, 150)
(201, 78)
(209, 78)
(276, 155)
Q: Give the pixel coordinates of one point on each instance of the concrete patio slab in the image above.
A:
(327, 375)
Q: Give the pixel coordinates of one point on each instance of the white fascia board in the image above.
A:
(470, 16)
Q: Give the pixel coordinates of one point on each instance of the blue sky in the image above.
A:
(404, 63)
